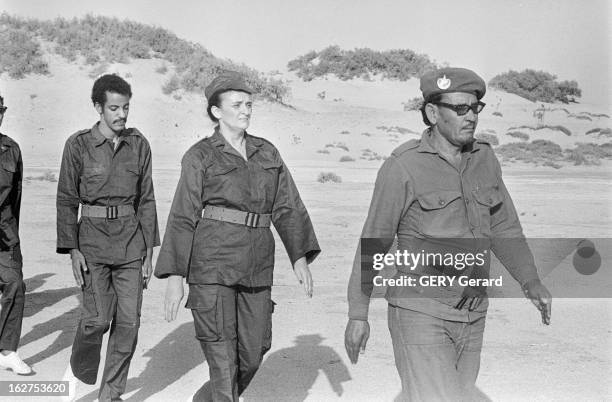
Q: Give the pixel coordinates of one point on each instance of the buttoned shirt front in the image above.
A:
(11, 175)
(419, 196)
(208, 251)
(97, 172)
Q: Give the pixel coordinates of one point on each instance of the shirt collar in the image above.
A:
(99, 138)
(426, 144)
(252, 143)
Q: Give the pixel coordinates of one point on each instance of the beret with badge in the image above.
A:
(226, 81)
(452, 79)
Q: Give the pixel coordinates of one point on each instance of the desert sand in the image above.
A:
(521, 358)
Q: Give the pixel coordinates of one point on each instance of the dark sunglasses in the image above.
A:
(463, 109)
(3, 109)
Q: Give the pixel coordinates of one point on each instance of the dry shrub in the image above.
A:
(487, 137)
(518, 134)
(325, 177)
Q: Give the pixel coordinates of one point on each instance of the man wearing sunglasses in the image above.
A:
(446, 190)
(11, 275)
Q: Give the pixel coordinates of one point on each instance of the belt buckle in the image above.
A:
(251, 220)
(112, 212)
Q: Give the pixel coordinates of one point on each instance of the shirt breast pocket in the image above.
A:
(224, 181)
(442, 214)
(130, 174)
(489, 200)
(9, 167)
(92, 178)
(267, 180)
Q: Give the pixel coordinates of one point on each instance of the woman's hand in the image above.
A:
(302, 272)
(174, 295)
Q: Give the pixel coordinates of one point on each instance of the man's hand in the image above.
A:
(147, 267)
(540, 297)
(355, 338)
(174, 295)
(78, 266)
(302, 272)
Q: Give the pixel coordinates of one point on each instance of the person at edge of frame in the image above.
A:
(11, 274)
(106, 171)
(233, 185)
(445, 185)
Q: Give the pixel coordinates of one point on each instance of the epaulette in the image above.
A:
(265, 141)
(483, 142)
(406, 146)
(74, 136)
(134, 131)
(81, 132)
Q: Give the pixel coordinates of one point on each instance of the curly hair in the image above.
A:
(109, 83)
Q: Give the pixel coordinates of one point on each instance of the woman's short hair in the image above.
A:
(215, 100)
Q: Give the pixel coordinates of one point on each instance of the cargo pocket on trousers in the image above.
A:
(207, 310)
(267, 341)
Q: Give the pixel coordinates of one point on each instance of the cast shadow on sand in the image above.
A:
(169, 360)
(477, 396)
(65, 323)
(288, 374)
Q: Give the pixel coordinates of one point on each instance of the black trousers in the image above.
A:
(234, 327)
(13, 298)
(112, 299)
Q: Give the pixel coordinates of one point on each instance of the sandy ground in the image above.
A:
(521, 358)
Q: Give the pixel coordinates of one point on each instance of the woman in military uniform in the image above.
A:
(232, 187)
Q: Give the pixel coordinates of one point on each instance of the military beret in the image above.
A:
(452, 79)
(229, 80)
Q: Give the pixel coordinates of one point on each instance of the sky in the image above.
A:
(569, 38)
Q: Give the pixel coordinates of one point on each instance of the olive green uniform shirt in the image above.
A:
(418, 196)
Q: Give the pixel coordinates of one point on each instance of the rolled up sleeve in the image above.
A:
(183, 219)
(291, 220)
(68, 200)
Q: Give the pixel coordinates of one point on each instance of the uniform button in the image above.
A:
(442, 202)
(490, 200)
(467, 201)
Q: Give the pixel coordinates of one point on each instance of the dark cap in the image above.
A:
(452, 79)
(228, 80)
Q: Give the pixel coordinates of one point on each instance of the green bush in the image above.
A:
(533, 152)
(537, 86)
(346, 158)
(398, 64)
(487, 137)
(413, 104)
(173, 84)
(110, 40)
(518, 134)
(20, 54)
(325, 177)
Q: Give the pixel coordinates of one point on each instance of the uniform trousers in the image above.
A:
(234, 327)
(13, 298)
(437, 360)
(112, 299)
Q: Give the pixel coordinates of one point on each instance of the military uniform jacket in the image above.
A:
(94, 172)
(207, 251)
(420, 195)
(11, 175)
